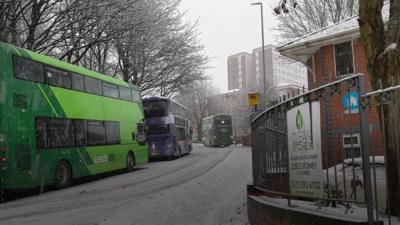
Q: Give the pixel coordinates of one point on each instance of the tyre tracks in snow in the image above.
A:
(169, 179)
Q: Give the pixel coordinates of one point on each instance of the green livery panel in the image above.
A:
(24, 162)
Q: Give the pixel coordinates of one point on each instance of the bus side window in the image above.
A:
(80, 133)
(92, 85)
(26, 69)
(181, 134)
(96, 133)
(125, 93)
(77, 82)
(135, 96)
(60, 133)
(110, 90)
(58, 78)
(40, 125)
(112, 133)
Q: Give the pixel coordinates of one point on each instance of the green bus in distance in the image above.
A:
(217, 130)
(59, 122)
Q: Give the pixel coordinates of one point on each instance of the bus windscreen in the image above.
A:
(158, 129)
(155, 108)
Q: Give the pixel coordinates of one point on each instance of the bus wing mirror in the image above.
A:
(141, 136)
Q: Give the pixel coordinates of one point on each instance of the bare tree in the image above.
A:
(382, 51)
(87, 31)
(310, 15)
(195, 98)
(67, 29)
(145, 41)
(159, 53)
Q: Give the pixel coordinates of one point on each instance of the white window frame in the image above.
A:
(349, 147)
(352, 55)
(357, 145)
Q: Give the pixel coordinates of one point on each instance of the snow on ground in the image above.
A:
(206, 187)
(356, 213)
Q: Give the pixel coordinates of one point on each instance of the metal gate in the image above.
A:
(352, 145)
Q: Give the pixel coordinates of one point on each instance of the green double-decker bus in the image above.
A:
(217, 130)
(59, 121)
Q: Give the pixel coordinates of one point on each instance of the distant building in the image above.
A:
(239, 71)
(288, 90)
(235, 103)
(283, 91)
(278, 69)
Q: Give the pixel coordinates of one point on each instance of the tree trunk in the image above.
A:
(383, 65)
(199, 132)
(35, 17)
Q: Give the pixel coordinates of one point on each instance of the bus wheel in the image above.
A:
(130, 162)
(63, 175)
(2, 196)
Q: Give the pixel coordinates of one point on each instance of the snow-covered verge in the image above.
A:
(356, 213)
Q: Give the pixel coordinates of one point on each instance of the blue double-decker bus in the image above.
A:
(169, 129)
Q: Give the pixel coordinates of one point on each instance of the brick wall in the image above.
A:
(332, 107)
(340, 123)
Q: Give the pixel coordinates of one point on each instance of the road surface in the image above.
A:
(206, 187)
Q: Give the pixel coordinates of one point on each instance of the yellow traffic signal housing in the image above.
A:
(254, 98)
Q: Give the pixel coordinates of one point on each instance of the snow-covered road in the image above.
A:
(206, 187)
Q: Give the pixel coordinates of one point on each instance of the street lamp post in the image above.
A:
(264, 97)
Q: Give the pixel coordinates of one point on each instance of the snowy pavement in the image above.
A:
(206, 187)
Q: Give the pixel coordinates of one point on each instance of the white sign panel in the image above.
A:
(305, 163)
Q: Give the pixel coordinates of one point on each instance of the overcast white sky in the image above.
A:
(227, 27)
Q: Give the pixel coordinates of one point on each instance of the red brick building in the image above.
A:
(332, 53)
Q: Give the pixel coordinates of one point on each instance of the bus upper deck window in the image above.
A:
(77, 82)
(125, 93)
(110, 90)
(58, 78)
(26, 69)
(92, 85)
(135, 96)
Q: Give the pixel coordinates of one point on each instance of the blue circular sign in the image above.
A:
(351, 102)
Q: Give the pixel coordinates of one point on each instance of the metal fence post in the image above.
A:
(365, 154)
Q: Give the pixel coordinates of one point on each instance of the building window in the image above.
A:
(344, 58)
(351, 146)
